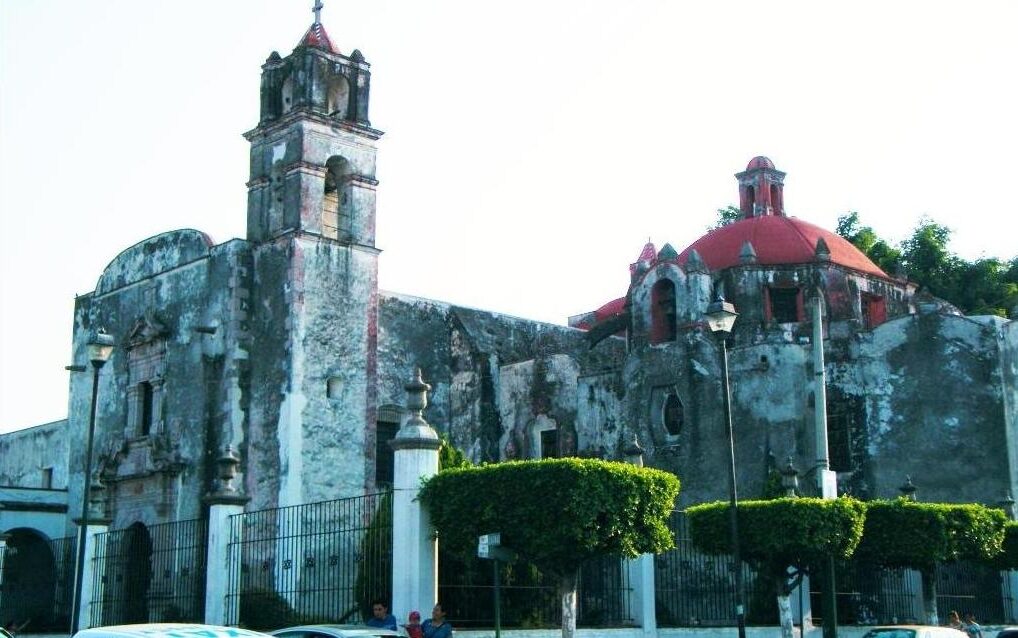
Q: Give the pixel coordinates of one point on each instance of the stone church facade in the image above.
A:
(281, 347)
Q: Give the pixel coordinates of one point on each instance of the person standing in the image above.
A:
(380, 616)
(954, 621)
(436, 626)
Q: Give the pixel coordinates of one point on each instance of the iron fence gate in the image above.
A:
(695, 589)
(319, 562)
(150, 574)
(972, 587)
(530, 599)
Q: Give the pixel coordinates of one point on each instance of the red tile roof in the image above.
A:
(317, 37)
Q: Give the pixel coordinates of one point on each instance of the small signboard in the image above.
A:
(487, 543)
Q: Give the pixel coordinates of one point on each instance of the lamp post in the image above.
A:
(720, 318)
(100, 347)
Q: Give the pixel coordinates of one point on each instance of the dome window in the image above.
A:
(783, 304)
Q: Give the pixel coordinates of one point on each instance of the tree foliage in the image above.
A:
(1008, 559)
(904, 533)
(556, 513)
(449, 456)
(984, 286)
(776, 533)
(727, 215)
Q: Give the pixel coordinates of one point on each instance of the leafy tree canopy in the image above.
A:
(556, 513)
(904, 533)
(1008, 559)
(726, 215)
(776, 533)
(450, 456)
(984, 286)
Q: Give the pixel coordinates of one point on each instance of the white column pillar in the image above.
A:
(3, 552)
(92, 570)
(223, 551)
(414, 548)
(643, 597)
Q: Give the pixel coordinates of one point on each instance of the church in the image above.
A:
(279, 348)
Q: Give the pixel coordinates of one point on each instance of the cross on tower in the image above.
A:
(318, 11)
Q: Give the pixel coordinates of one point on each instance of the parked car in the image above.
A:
(335, 631)
(1007, 632)
(914, 631)
(168, 630)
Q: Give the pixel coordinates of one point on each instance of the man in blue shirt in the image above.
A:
(381, 617)
(436, 626)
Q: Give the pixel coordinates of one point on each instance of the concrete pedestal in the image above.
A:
(92, 571)
(642, 597)
(222, 568)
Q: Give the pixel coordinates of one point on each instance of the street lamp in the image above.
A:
(100, 347)
(720, 318)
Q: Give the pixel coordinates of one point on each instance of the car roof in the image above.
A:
(168, 630)
(346, 629)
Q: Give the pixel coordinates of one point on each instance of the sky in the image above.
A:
(531, 148)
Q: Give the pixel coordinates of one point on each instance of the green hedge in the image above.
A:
(1008, 559)
(556, 513)
(783, 531)
(905, 533)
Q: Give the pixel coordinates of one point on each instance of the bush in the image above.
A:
(904, 533)
(781, 532)
(556, 513)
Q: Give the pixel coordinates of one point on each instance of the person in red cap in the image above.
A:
(413, 625)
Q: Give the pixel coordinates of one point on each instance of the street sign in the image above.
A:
(486, 543)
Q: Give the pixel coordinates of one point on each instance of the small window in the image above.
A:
(839, 439)
(47, 478)
(147, 404)
(549, 444)
(384, 457)
(673, 415)
(332, 386)
(662, 299)
(785, 305)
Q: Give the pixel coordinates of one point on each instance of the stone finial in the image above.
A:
(822, 252)
(695, 263)
(667, 253)
(227, 468)
(748, 254)
(415, 429)
(632, 451)
(790, 479)
(908, 489)
(1008, 505)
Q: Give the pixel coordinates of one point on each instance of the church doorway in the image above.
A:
(138, 574)
(29, 579)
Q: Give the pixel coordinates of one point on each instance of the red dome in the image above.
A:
(759, 162)
(776, 240)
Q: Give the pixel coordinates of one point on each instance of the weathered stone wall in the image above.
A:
(934, 407)
(1009, 381)
(164, 306)
(24, 454)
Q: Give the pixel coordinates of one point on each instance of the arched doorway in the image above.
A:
(29, 579)
(138, 575)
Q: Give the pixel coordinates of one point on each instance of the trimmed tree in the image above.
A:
(1008, 559)
(781, 533)
(555, 513)
(904, 533)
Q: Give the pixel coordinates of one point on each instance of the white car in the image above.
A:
(168, 630)
(914, 631)
(335, 631)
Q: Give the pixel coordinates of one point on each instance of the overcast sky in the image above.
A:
(531, 148)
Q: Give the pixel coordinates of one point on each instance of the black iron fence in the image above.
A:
(150, 574)
(319, 562)
(530, 599)
(972, 587)
(697, 589)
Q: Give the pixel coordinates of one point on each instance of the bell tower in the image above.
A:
(313, 151)
(313, 299)
(761, 189)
